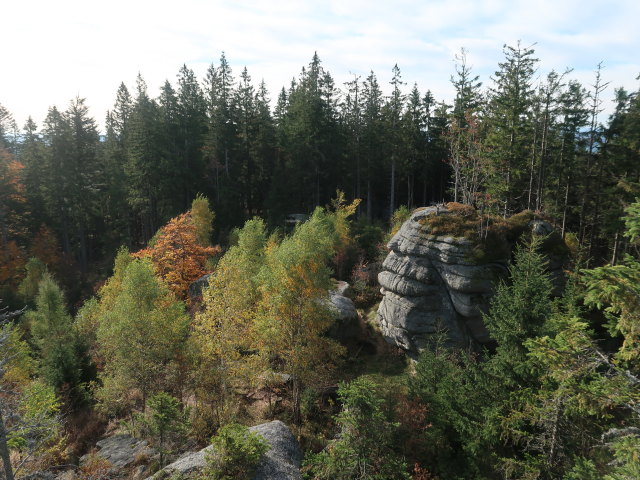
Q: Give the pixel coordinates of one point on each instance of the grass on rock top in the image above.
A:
(493, 236)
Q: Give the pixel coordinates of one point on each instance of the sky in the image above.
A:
(53, 51)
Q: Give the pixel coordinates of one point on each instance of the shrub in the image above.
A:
(235, 454)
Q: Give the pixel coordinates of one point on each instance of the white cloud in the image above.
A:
(54, 51)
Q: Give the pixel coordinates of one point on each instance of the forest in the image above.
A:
(103, 234)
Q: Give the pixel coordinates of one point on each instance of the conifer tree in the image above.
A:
(62, 356)
(509, 115)
(141, 331)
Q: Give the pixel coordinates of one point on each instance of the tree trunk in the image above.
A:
(4, 450)
(393, 185)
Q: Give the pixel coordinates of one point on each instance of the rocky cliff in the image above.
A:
(433, 281)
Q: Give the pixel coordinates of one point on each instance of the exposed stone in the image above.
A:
(281, 462)
(121, 450)
(432, 283)
(197, 287)
(342, 306)
(346, 325)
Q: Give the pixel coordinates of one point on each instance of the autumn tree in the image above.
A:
(12, 198)
(177, 251)
(224, 331)
(293, 315)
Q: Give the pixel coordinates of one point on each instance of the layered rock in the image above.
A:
(431, 283)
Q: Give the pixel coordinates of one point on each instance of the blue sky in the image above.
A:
(55, 50)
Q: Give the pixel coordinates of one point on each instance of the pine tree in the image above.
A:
(509, 113)
(62, 356)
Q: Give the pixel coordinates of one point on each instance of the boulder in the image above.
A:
(281, 462)
(433, 283)
(343, 307)
(121, 451)
(196, 288)
(346, 325)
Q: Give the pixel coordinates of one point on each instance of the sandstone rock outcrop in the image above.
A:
(121, 451)
(433, 283)
(281, 462)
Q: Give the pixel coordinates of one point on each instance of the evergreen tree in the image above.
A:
(62, 355)
(365, 447)
(510, 136)
(142, 172)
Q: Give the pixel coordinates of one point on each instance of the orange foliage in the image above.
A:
(11, 176)
(179, 259)
(12, 198)
(12, 263)
(45, 247)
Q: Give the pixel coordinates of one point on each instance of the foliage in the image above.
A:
(165, 418)
(12, 198)
(224, 331)
(235, 453)
(177, 254)
(202, 217)
(141, 333)
(12, 263)
(616, 289)
(345, 244)
(63, 361)
(45, 247)
(293, 315)
(28, 288)
(32, 428)
(20, 366)
(399, 216)
(365, 447)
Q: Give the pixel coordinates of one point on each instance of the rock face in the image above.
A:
(281, 462)
(122, 450)
(430, 283)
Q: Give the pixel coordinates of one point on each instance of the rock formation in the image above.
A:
(281, 462)
(121, 451)
(434, 283)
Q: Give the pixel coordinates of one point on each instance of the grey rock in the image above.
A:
(121, 450)
(281, 462)
(430, 283)
(540, 227)
(197, 287)
(343, 307)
